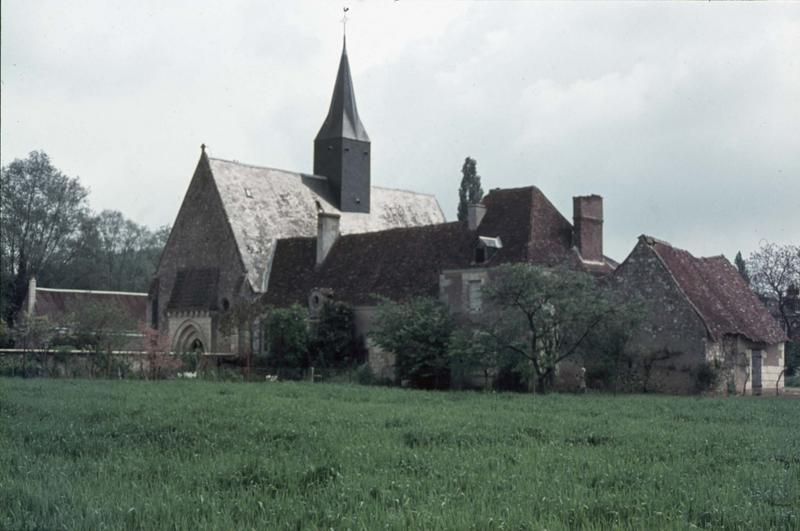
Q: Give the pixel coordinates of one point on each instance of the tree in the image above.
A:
(470, 191)
(472, 350)
(287, 337)
(545, 316)
(418, 333)
(111, 253)
(608, 360)
(741, 265)
(40, 212)
(773, 270)
(335, 343)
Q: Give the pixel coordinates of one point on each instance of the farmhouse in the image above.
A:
(700, 312)
(222, 243)
(451, 261)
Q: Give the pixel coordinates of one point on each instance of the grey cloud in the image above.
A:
(684, 116)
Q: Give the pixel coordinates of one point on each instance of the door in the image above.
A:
(756, 372)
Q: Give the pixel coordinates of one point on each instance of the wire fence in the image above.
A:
(140, 365)
(117, 364)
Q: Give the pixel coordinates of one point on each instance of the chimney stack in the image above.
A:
(327, 234)
(31, 295)
(475, 213)
(587, 215)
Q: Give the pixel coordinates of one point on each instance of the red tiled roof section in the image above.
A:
(395, 263)
(508, 215)
(532, 230)
(725, 303)
(59, 304)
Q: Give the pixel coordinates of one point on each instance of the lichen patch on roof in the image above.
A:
(263, 204)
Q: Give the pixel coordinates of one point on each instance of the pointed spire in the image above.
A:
(342, 120)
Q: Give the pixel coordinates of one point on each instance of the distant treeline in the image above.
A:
(48, 230)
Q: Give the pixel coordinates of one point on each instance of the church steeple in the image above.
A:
(342, 146)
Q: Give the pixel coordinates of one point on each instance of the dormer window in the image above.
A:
(486, 248)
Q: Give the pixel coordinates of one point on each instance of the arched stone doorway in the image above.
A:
(189, 339)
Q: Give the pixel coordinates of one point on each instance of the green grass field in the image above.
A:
(80, 454)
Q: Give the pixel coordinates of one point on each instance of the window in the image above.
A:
(480, 254)
(474, 296)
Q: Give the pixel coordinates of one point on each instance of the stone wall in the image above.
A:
(381, 362)
(454, 290)
(738, 353)
(669, 324)
(200, 238)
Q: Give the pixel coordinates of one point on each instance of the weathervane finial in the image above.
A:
(344, 24)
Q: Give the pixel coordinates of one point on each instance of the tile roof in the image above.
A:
(57, 304)
(719, 295)
(532, 230)
(396, 263)
(195, 289)
(263, 204)
(401, 263)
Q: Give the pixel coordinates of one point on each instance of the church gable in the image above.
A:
(201, 238)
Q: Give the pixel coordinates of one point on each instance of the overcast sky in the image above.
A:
(685, 117)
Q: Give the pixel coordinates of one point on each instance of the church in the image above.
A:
(223, 241)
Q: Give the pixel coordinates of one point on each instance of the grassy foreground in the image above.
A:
(190, 454)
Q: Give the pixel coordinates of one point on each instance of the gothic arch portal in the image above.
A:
(189, 338)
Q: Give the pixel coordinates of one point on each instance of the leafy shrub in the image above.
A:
(335, 343)
(707, 376)
(418, 332)
(287, 337)
(364, 375)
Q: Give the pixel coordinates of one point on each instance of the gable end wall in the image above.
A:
(201, 238)
(669, 322)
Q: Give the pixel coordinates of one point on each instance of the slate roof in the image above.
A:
(401, 263)
(58, 304)
(342, 120)
(195, 289)
(263, 204)
(719, 295)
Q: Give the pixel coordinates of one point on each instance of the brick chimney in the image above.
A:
(587, 215)
(327, 234)
(475, 213)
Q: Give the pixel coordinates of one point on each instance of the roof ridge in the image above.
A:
(403, 190)
(260, 167)
(312, 175)
(372, 233)
(650, 240)
(516, 189)
(92, 291)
